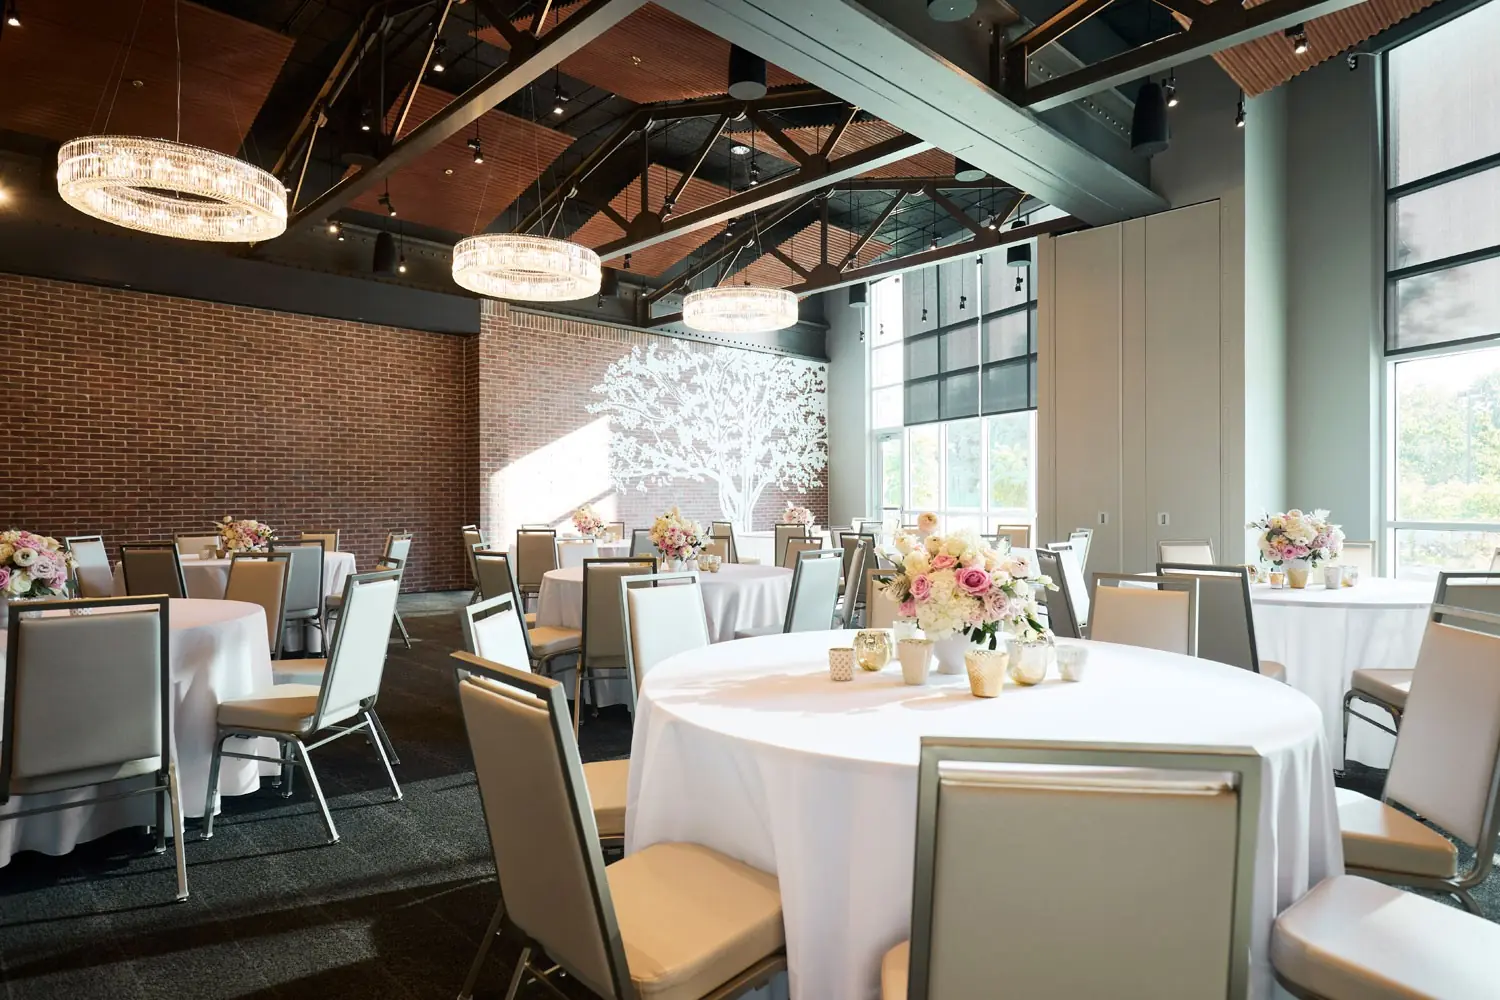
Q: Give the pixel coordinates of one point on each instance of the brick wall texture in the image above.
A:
(140, 416)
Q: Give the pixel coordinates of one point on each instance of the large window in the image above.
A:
(1443, 297)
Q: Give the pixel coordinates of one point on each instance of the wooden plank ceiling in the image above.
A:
(653, 260)
(79, 66)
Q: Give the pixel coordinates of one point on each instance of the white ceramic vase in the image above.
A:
(949, 653)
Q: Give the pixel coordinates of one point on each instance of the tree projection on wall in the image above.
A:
(744, 421)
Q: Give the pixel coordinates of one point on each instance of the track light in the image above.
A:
(364, 118)
(559, 98)
(627, 262)
(1170, 89)
(438, 48)
(934, 244)
(1239, 113)
(333, 228)
(401, 265)
(1298, 34)
(747, 75)
(12, 15)
(385, 200)
(754, 174)
(1149, 131)
(477, 149)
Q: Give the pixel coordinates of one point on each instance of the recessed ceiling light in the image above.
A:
(447, 171)
(739, 149)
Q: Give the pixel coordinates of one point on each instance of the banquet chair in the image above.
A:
(640, 542)
(796, 545)
(1138, 881)
(536, 556)
(493, 629)
(724, 531)
(1154, 612)
(616, 530)
(473, 539)
(154, 568)
(398, 555)
(330, 539)
(92, 576)
(1445, 768)
(572, 552)
(854, 579)
(545, 643)
(603, 644)
(1363, 556)
(664, 615)
(88, 703)
(260, 578)
(695, 923)
(1061, 618)
(1072, 571)
(718, 547)
(1020, 534)
(1193, 552)
(783, 532)
(1081, 539)
(493, 576)
(881, 611)
(304, 583)
(291, 714)
(1495, 562)
(814, 597)
(193, 545)
(1226, 624)
(1351, 938)
(850, 542)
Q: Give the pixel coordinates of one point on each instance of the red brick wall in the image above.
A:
(139, 416)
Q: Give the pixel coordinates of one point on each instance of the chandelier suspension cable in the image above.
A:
(120, 77)
(177, 40)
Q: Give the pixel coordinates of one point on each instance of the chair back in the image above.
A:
(330, 539)
(1446, 766)
(1020, 534)
(473, 538)
(664, 615)
(193, 545)
(1226, 624)
(85, 694)
(304, 584)
(798, 544)
(536, 556)
(1072, 571)
(1081, 539)
(1472, 591)
(718, 547)
(494, 629)
(398, 546)
(1154, 612)
(815, 591)
(573, 551)
(784, 531)
(154, 568)
(724, 531)
(1059, 603)
(640, 543)
(1363, 556)
(92, 576)
(261, 578)
(881, 610)
(854, 579)
(1190, 552)
(616, 531)
(547, 854)
(1140, 858)
(603, 642)
(493, 575)
(357, 660)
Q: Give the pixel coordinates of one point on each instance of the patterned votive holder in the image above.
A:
(841, 663)
(1071, 661)
(872, 648)
(916, 659)
(1351, 575)
(1278, 580)
(209, 552)
(1333, 577)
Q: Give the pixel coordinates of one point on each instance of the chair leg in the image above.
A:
(577, 696)
(467, 991)
(405, 636)
(213, 787)
(288, 772)
(379, 728)
(312, 779)
(162, 802)
(1344, 752)
(1469, 904)
(519, 974)
(174, 801)
(379, 742)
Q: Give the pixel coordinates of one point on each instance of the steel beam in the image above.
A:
(1060, 24)
(593, 18)
(566, 187)
(730, 249)
(871, 230)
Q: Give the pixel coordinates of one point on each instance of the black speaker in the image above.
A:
(385, 254)
(859, 295)
(747, 75)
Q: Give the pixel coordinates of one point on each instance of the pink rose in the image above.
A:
(944, 561)
(972, 581)
(906, 609)
(4, 576)
(921, 586)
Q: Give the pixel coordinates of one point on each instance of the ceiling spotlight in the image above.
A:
(1239, 113)
(364, 118)
(754, 174)
(4, 196)
(1149, 132)
(559, 98)
(1170, 89)
(438, 48)
(747, 75)
(341, 236)
(934, 244)
(966, 172)
(627, 262)
(333, 228)
(477, 149)
(1298, 34)
(740, 149)
(401, 264)
(12, 15)
(385, 200)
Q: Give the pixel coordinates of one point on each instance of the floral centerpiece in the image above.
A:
(797, 515)
(1294, 536)
(957, 587)
(244, 534)
(32, 566)
(588, 523)
(677, 537)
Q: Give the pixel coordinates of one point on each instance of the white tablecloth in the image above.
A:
(750, 749)
(1322, 636)
(761, 545)
(607, 550)
(736, 597)
(218, 651)
(207, 578)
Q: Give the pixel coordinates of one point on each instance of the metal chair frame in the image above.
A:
(152, 546)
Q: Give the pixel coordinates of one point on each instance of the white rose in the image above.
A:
(24, 557)
(903, 544)
(915, 563)
(20, 583)
(934, 544)
(955, 547)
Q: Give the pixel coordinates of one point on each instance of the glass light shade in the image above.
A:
(530, 268)
(171, 189)
(739, 309)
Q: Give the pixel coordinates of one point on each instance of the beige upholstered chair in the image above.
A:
(850, 542)
(854, 579)
(718, 547)
(536, 556)
(1155, 612)
(723, 531)
(675, 921)
(663, 615)
(1226, 625)
(798, 544)
(1353, 939)
(493, 576)
(1061, 617)
(347, 690)
(1446, 767)
(603, 644)
(545, 643)
(1020, 534)
(573, 551)
(881, 610)
(398, 555)
(814, 597)
(330, 539)
(88, 702)
(641, 544)
(616, 531)
(193, 545)
(1191, 552)
(152, 569)
(1081, 539)
(304, 583)
(493, 630)
(260, 578)
(785, 531)
(92, 576)
(473, 539)
(1136, 883)
(1363, 556)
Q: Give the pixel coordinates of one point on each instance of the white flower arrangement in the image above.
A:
(1294, 535)
(33, 565)
(244, 535)
(588, 523)
(797, 515)
(957, 584)
(676, 536)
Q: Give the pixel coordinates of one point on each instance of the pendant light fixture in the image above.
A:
(1150, 132)
(169, 188)
(739, 309)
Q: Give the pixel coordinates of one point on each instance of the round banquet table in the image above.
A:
(207, 578)
(1322, 636)
(607, 550)
(750, 749)
(218, 651)
(736, 597)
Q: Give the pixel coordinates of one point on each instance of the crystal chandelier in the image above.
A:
(739, 309)
(171, 189)
(530, 268)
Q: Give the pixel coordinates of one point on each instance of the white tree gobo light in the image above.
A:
(739, 309)
(171, 189)
(532, 268)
